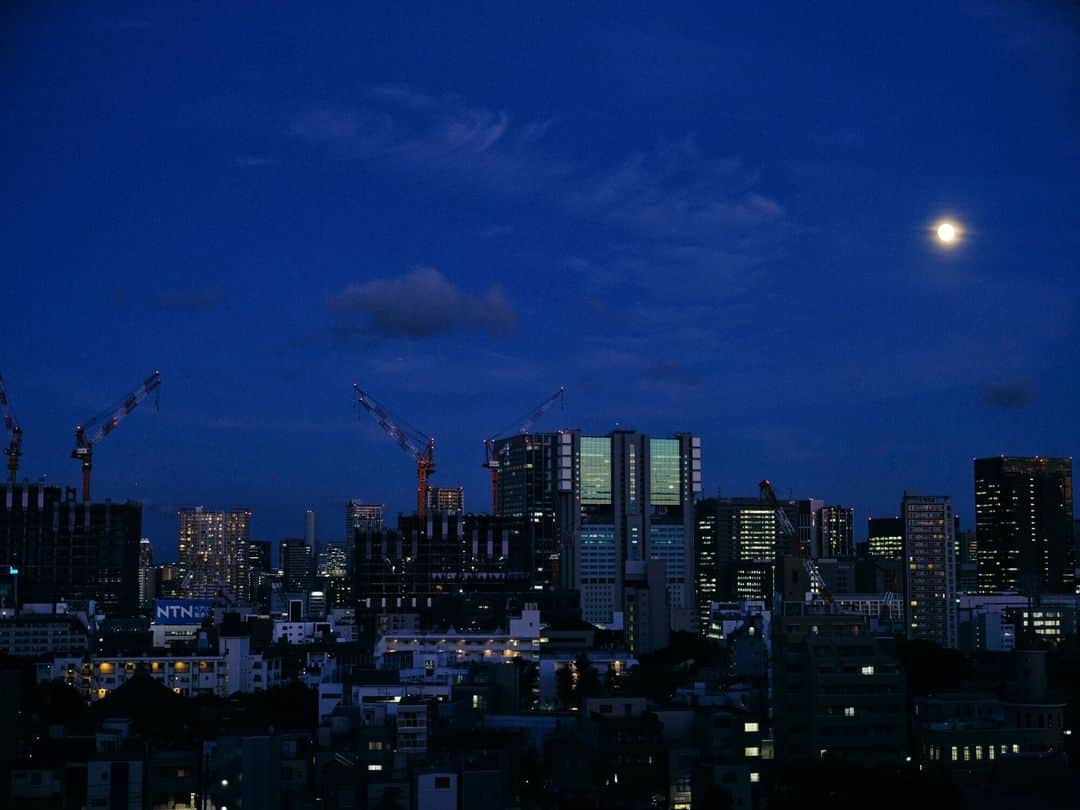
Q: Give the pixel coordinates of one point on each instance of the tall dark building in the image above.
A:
(836, 532)
(254, 563)
(67, 550)
(1024, 524)
(297, 562)
(930, 573)
(708, 560)
(208, 549)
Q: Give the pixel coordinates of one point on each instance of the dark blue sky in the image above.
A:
(712, 219)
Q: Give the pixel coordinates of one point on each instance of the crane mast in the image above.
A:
(798, 549)
(100, 426)
(15, 434)
(414, 442)
(523, 424)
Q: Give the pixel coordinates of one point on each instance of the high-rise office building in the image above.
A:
(930, 557)
(738, 542)
(297, 562)
(209, 544)
(333, 569)
(613, 499)
(68, 550)
(450, 500)
(1024, 525)
(364, 517)
(254, 565)
(147, 574)
(309, 528)
(885, 538)
(632, 499)
(836, 532)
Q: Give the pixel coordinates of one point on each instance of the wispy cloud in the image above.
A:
(422, 303)
(412, 131)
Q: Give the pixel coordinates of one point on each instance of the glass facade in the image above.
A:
(597, 573)
(664, 461)
(595, 475)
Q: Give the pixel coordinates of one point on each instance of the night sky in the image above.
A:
(715, 219)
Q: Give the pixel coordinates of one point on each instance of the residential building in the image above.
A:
(930, 576)
(147, 575)
(838, 695)
(209, 548)
(254, 565)
(1024, 524)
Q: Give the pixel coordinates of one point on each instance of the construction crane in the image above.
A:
(414, 442)
(90, 434)
(15, 434)
(522, 425)
(798, 548)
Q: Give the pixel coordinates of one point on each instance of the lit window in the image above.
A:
(374, 766)
(967, 753)
(750, 727)
(374, 745)
(752, 751)
(978, 752)
(849, 711)
(1016, 748)
(955, 752)
(755, 776)
(868, 670)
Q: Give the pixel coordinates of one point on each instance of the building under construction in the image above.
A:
(62, 549)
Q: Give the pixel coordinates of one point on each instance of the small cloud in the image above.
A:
(421, 304)
(190, 300)
(1008, 395)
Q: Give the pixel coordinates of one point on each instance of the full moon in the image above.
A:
(946, 232)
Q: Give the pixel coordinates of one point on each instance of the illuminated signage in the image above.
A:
(182, 611)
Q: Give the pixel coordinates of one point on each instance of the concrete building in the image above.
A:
(646, 621)
(837, 694)
(233, 669)
(254, 565)
(30, 635)
(62, 549)
(209, 547)
(930, 576)
(1024, 525)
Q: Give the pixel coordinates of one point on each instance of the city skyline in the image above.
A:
(715, 221)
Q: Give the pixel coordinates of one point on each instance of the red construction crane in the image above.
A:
(414, 442)
(15, 434)
(106, 422)
(523, 425)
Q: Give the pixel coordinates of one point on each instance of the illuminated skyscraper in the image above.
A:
(209, 545)
(1024, 524)
(836, 532)
(363, 517)
(930, 557)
